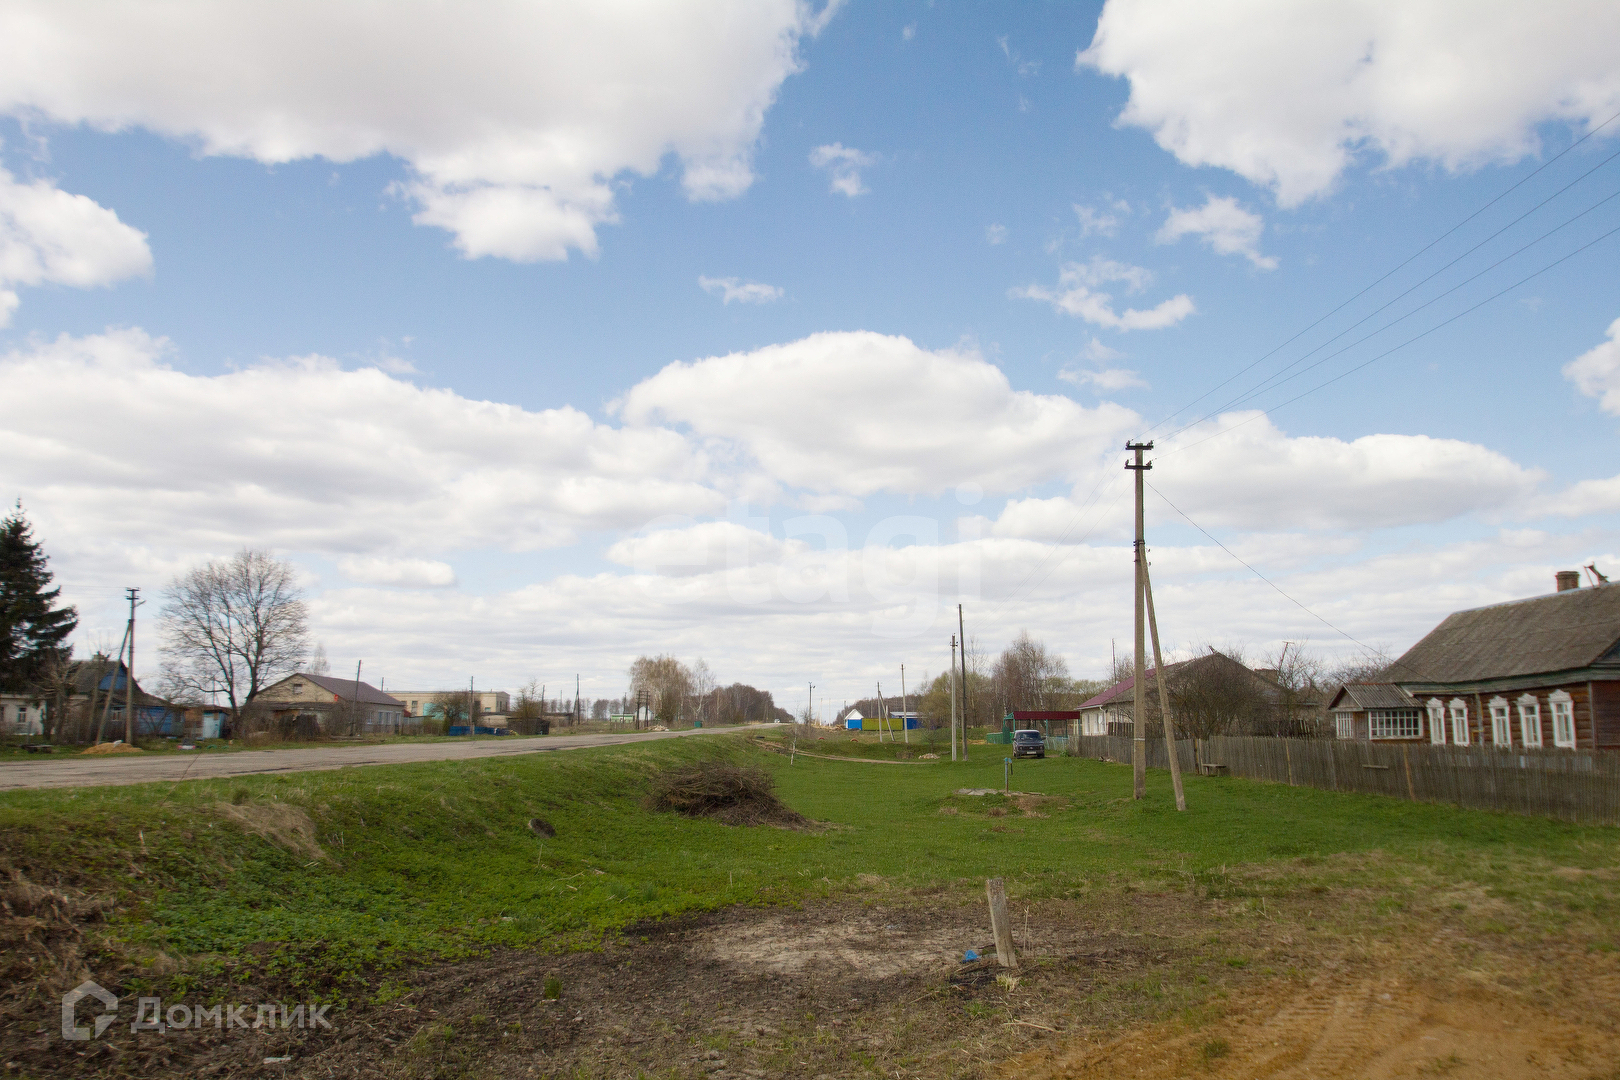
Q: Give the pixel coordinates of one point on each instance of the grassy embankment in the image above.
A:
(435, 860)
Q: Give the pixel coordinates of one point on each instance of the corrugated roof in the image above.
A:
(1373, 696)
(1558, 632)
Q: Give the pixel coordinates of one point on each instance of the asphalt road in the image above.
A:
(79, 770)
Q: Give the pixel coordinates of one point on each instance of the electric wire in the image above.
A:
(1082, 512)
(1388, 274)
(1273, 378)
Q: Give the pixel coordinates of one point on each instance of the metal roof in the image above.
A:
(1560, 632)
(344, 688)
(1372, 696)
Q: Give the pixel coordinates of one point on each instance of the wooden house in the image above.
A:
(1542, 672)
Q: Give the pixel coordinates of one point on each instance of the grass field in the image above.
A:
(415, 862)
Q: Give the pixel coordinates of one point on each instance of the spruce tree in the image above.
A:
(32, 626)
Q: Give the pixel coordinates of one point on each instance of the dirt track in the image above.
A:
(80, 770)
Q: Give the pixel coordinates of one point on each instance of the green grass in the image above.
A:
(436, 860)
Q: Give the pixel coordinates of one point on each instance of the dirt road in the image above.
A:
(85, 771)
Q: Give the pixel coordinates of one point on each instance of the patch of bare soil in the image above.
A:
(1118, 983)
(1346, 1026)
(112, 748)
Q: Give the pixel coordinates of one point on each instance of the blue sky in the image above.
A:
(433, 322)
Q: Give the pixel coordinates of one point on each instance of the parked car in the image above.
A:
(1029, 743)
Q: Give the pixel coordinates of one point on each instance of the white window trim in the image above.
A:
(1501, 723)
(1457, 710)
(1384, 716)
(1437, 722)
(1530, 720)
(1554, 700)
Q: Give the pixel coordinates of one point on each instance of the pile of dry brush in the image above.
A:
(730, 794)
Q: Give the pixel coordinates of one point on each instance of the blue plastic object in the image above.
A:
(969, 956)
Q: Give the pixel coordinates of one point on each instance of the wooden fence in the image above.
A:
(1582, 786)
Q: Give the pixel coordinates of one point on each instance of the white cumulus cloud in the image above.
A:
(51, 236)
(515, 119)
(1287, 94)
(1222, 224)
(844, 165)
(744, 292)
(303, 455)
(1596, 373)
(859, 413)
(1077, 295)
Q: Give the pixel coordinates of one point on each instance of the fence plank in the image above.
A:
(1582, 786)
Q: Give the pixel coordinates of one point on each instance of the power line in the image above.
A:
(1081, 513)
(1403, 264)
(1262, 386)
(1402, 345)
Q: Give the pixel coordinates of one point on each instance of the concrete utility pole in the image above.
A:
(1164, 693)
(1139, 747)
(903, 710)
(354, 720)
(961, 631)
(810, 707)
(952, 682)
(129, 673)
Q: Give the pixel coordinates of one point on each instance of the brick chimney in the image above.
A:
(1568, 579)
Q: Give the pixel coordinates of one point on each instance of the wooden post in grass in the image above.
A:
(1164, 694)
(1000, 922)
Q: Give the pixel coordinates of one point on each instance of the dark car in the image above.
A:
(1029, 743)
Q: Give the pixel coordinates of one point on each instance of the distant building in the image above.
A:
(491, 703)
(329, 701)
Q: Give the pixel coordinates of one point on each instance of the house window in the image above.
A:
(1529, 721)
(1458, 708)
(1396, 723)
(1563, 718)
(1346, 724)
(1437, 724)
(1501, 725)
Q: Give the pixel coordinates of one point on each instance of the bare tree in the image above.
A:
(451, 706)
(318, 664)
(1026, 676)
(234, 627)
(667, 682)
(703, 683)
(1212, 694)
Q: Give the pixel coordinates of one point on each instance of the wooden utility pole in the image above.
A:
(952, 681)
(961, 631)
(129, 674)
(354, 704)
(1139, 746)
(1164, 693)
(883, 712)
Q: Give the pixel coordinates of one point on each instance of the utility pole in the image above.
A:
(576, 699)
(354, 705)
(883, 712)
(1139, 747)
(903, 719)
(810, 707)
(952, 682)
(962, 632)
(1164, 693)
(472, 724)
(129, 673)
